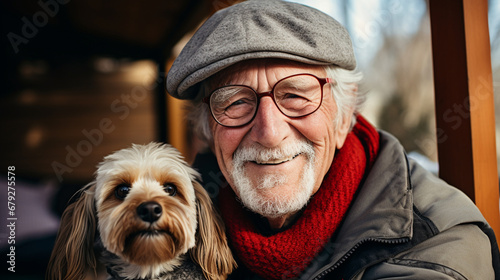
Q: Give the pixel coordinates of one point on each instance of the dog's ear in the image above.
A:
(211, 251)
(73, 254)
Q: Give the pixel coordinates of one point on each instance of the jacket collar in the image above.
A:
(383, 208)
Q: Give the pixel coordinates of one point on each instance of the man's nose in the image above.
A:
(269, 127)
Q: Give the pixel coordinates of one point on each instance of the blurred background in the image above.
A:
(81, 79)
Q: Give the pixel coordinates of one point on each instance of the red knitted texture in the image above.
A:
(286, 254)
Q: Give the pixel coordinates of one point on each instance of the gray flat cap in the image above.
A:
(259, 29)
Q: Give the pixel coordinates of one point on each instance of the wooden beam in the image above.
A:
(465, 118)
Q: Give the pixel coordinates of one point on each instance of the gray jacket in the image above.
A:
(405, 223)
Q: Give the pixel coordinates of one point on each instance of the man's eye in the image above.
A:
(292, 95)
(237, 103)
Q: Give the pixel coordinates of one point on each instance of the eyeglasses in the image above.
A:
(295, 96)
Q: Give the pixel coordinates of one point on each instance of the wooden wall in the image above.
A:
(65, 116)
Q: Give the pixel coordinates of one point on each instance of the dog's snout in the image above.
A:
(149, 211)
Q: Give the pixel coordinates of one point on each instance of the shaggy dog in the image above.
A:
(144, 217)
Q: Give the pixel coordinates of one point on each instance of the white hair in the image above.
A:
(344, 89)
(345, 92)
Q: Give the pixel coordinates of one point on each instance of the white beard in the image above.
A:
(274, 205)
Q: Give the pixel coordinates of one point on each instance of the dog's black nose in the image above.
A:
(149, 211)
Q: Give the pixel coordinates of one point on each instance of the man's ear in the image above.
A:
(344, 127)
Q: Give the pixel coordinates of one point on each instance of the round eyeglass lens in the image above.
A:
(297, 96)
(233, 105)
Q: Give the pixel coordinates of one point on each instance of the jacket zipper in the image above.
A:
(331, 268)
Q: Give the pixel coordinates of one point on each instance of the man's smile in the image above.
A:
(275, 161)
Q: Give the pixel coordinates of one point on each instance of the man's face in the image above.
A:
(275, 163)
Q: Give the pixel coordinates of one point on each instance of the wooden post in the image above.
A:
(465, 118)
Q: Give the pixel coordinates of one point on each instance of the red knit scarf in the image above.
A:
(287, 253)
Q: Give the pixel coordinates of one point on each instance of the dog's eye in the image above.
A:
(170, 189)
(121, 191)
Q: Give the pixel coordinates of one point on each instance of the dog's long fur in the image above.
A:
(189, 224)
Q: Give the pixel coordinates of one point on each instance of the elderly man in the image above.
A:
(309, 188)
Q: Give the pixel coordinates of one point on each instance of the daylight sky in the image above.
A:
(366, 20)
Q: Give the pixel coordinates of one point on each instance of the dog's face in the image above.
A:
(147, 208)
(146, 204)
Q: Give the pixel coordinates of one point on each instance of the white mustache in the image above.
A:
(273, 155)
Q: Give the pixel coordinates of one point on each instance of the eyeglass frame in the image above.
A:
(322, 83)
